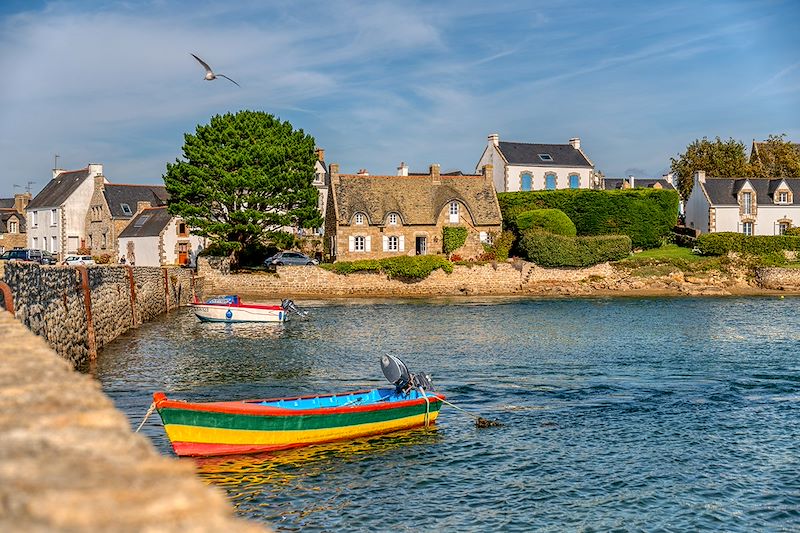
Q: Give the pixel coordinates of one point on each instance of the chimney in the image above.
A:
(631, 181)
(575, 142)
(494, 139)
(95, 168)
(320, 154)
(21, 202)
(434, 170)
(363, 172)
(141, 206)
(700, 175)
(402, 170)
(333, 168)
(488, 171)
(99, 182)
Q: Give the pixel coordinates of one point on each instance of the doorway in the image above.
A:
(422, 245)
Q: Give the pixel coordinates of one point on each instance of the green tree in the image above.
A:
(777, 158)
(243, 177)
(718, 158)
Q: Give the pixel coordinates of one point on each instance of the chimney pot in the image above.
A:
(575, 142)
(494, 139)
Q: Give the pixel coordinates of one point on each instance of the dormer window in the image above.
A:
(747, 203)
(454, 212)
(358, 219)
(545, 157)
(126, 209)
(783, 197)
(392, 219)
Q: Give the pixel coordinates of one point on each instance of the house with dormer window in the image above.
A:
(374, 217)
(752, 206)
(12, 222)
(536, 167)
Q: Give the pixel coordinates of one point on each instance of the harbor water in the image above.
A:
(652, 414)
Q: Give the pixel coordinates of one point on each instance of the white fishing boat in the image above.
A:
(232, 309)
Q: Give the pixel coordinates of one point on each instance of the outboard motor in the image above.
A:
(290, 307)
(398, 375)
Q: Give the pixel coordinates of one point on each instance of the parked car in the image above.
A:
(23, 254)
(78, 260)
(289, 258)
(48, 258)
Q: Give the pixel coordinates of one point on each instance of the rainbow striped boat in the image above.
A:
(252, 426)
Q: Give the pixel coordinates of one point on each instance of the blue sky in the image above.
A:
(377, 83)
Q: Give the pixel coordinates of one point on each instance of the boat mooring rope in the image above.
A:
(427, 406)
(149, 412)
(479, 420)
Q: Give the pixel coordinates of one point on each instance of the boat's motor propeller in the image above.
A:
(398, 375)
(290, 307)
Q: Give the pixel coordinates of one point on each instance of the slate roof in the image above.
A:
(59, 189)
(564, 155)
(725, 191)
(116, 195)
(611, 184)
(156, 220)
(416, 198)
(5, 214)
(6, 203)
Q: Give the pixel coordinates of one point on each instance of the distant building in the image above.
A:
(535, 167)
(112, 208)
(155, 238)
(752, 206)
(371, 217)
(56, 217)
(13, 232)
(322, 182)
(632, 182)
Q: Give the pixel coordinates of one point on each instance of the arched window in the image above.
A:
(525, 181)
(550, 182)
(574, 181)
(454, 212)
(392, 219)
(358, 219)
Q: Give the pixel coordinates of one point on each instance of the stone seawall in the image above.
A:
(78, 310)
(70, 462)
(784, 279)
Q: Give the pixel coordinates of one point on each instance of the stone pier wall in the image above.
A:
(78, 310)
(787, 279)
(70, 462)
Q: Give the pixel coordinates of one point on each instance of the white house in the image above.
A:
(57, 215)
(155, 238)
(535, 167)
(322, 182)
(753, 206)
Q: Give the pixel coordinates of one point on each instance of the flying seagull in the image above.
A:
(210, 73)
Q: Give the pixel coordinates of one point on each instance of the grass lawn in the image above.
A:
(667, 252)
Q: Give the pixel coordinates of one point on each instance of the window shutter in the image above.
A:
(402, 243)
(352, 243)
(483, 236)
(385, 243)
(368, 244)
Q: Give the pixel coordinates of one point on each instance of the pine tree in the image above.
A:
(243, 177)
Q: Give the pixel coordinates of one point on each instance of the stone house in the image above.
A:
(753, 206)
(631, 182)
(373, 217)
(56, 217)
(536, 167)
(111, 209)
(156, 238)
(12, 222)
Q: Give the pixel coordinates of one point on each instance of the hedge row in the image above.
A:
(645, 215)
(405, 267)
(549, 250)
(724, 242)
(549, 220)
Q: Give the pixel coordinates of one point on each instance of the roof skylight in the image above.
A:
(140, 221)
(545, 157)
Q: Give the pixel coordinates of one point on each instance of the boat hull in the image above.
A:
(224, 428)
(234, 313)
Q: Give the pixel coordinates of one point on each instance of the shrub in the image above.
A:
(453, 238)
(102, 259)
(724, 242)
(549, 250)
(549, 220)
(794, 232)
(500, 247)
(404, 267)
(645, 215)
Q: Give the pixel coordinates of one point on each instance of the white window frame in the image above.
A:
(454, 212)
(12, 226)
(392, 219)
(359, 243)
(392, 243)
(358, 219)
(54, 217)
(783, 197)
(746, 226)
(747, 203)
(34, 221)
(53, 244)
(782, 227)
(36, 243)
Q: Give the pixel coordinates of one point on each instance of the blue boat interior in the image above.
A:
(343, 400)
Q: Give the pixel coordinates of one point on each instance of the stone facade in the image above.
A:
(375, 217)
(70, 461)
(76, 317)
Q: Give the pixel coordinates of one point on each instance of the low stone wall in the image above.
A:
(294, 281)
(78, 310)
(778, 278)
(70, 462)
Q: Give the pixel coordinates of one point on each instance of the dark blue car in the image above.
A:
(289, 258)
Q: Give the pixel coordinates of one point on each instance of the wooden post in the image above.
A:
(87, 302)
(8, 298)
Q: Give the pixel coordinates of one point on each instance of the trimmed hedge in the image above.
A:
(549, 250)
(724, 242)
(549, 220)
(404, 267)
(645, 215)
